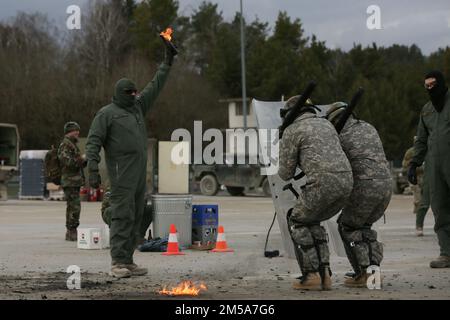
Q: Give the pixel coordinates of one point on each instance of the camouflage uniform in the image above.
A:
(371, 194)
(312, 144)
(71, 179)
(421, 190)
(106, 205)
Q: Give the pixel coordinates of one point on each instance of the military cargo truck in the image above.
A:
(9, 155)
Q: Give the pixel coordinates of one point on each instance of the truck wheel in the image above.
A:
(209, 185)
(266, 188)
(235, 191)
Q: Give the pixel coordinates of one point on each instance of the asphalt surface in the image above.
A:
(35, 258)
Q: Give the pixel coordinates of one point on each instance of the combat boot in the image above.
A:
(71, 235)
(419, 232)
(136, 270)
(311, 281)
(120, 271)
(357, 281)
(350, 275)
(441, 262)
(326, 279)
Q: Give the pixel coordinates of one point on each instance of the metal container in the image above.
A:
(204, 234)
(32, 174)
(176, 209)
(205, 220)
(205, 215)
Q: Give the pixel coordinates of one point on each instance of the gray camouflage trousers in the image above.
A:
(323, 196)
(367, 204)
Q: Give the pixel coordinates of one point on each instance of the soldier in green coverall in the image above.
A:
(120, 129)
(433, 141)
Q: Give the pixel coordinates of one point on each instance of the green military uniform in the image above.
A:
(421, 191)
(71, 179)
(120, 129)
(433, 141)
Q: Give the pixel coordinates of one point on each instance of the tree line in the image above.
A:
(49, 76)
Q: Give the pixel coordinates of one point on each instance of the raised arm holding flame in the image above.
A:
(166, 36)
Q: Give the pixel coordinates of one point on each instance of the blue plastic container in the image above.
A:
(205, 215)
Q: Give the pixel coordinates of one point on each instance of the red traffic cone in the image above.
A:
(221, 244)
(172, 246)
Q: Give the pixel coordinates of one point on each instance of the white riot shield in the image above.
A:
(268, 117)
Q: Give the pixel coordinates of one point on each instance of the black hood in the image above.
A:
(438, 92)
(122, 99)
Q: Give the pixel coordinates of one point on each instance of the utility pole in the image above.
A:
(244, 91)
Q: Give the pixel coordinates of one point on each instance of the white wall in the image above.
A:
(235, 121)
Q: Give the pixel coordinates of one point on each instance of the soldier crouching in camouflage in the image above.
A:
(72, 164)
(312, 144)
(372, 190)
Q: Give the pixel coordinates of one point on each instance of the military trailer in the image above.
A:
(9, 155)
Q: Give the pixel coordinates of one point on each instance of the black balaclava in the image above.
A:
(438, 92)
(121, 98)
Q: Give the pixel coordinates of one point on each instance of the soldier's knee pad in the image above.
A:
(321, 243)
(305, 244)
(356, 245)
(375, 248)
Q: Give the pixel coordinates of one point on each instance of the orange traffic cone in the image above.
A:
(172, 246)
(221, 244)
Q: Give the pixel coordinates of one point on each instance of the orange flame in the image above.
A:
(185, 288)
(167, 34)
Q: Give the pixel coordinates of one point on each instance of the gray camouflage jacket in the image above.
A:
(312, 144)
(363, 147)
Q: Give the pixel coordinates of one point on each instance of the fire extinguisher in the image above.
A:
(84, 194)
(100, 194)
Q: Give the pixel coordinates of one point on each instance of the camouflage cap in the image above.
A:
(71, 126)
(335, 110)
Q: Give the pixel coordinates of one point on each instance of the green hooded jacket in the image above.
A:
(433, 134)
(120, 128)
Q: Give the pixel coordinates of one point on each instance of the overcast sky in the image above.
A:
(340, 23)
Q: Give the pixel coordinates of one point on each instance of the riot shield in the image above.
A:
(284, 192)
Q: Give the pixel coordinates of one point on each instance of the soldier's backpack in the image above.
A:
(52, 166)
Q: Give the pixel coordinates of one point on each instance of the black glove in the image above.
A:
(94, 179)
(170, 52)
(412, 175)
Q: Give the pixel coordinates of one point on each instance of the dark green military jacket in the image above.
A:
(121, 131)
(71, 162)
(433, 134)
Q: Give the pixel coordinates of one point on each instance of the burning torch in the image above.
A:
(166, 36)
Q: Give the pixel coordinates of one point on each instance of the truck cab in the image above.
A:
(9, 155)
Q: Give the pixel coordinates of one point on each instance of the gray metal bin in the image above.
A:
(176, 209)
